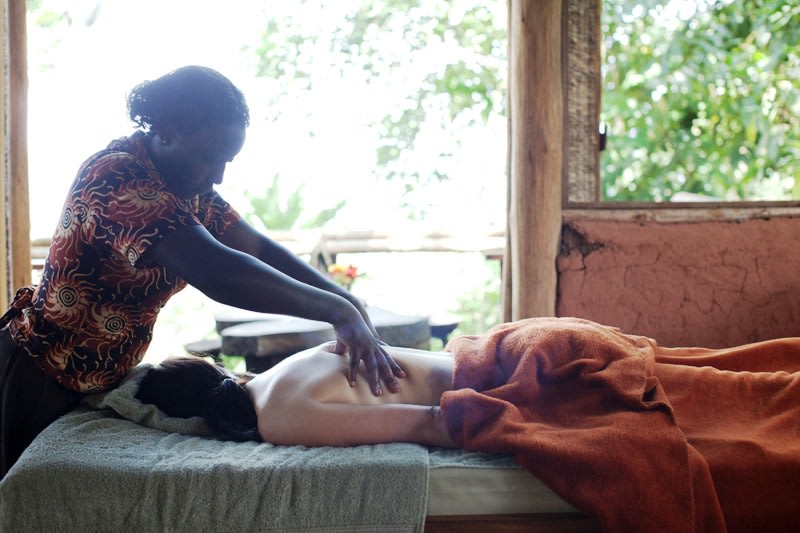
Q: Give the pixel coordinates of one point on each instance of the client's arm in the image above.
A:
(339, 424)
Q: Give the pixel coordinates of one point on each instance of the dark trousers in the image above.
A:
(29, 401)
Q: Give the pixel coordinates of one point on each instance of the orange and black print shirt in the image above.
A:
(90, 319)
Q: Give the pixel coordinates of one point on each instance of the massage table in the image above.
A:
(114, 464)
(642, 437)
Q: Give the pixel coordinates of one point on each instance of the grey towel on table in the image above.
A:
(94, 471)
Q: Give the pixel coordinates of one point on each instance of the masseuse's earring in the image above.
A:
(164, 141)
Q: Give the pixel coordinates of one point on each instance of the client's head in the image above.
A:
(191, 386)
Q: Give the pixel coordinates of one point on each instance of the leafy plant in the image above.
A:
(269, 210)
(449, 58)
(479, 309)
(705, 101)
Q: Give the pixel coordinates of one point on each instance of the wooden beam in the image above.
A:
(20, 225)
(582, 89)
(5, 264)
(536, 145)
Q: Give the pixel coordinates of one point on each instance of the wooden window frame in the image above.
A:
(14, 209)
(582, 82)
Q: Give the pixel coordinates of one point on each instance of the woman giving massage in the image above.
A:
(306, 399)
(142, 219)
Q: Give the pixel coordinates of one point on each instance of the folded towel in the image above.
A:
(99, 472)
(123, 401)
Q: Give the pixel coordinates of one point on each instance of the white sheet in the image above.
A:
(462, 483)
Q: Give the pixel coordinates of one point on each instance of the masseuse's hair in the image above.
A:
(185, 387)
(186, 100)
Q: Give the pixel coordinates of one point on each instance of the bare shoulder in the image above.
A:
(297, 375)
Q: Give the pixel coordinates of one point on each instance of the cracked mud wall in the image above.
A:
(698, 283)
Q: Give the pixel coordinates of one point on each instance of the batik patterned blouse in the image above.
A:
(90, 319)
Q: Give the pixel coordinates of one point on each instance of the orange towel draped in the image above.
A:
(643, 437)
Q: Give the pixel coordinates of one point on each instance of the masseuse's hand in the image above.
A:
(355, 338)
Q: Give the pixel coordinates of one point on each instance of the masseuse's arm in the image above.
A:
(337, 424)
(242, 280)
(243, 237)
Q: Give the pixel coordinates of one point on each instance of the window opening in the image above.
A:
(701, 100)
(383, 115)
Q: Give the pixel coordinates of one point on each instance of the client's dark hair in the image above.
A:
(191, 386)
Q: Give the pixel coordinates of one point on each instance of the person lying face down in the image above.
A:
(307, 399)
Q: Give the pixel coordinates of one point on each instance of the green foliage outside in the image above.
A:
(480, 308)
(450, 55)
(270, 211)
(701, 97)
(707, 102)
(374, 43)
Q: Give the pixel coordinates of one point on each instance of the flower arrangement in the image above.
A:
(344, 275)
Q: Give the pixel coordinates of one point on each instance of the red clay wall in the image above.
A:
(709, 283)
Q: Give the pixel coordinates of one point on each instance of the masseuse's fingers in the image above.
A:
(352, 373)
(363, 345)
(394, 368)
(340, 348)
(387, 369)
(372, 370)
(380, 367)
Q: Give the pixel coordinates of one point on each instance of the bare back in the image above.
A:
(306, 398)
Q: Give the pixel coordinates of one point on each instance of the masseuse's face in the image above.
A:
(193, 163)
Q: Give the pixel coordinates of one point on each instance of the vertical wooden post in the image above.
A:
(582, 86)
(20, 224)
(5, 258)
(535, 160)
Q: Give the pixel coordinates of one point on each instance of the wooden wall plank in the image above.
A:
(20, 227)
(536, 146)
(5, 264)
(582, 90)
